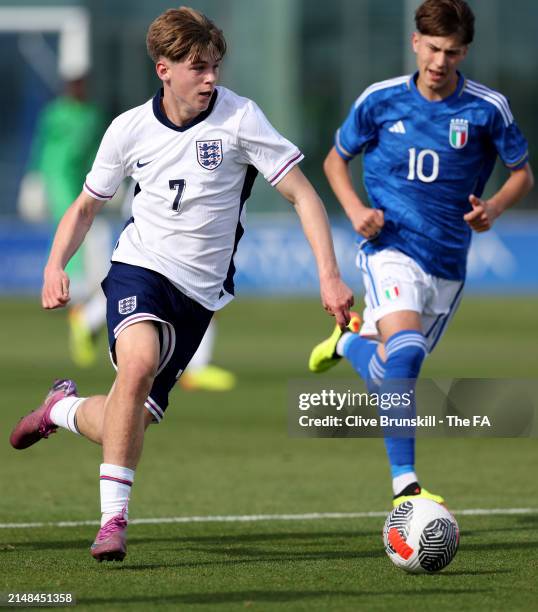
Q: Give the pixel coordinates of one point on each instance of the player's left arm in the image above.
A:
(336, 296)
(484, 212)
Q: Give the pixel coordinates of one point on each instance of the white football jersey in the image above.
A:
(193, 181)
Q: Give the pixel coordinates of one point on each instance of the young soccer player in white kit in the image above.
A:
(194, 150)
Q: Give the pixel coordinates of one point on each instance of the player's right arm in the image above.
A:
(365, 221)
(358, 130)
(71, 231)
(107, 173)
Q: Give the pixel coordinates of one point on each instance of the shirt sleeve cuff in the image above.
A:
(279, 174)
(95, 194)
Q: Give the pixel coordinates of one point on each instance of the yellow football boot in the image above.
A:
(208, 378)
(421, 493)
(81, 342)
(323, 355)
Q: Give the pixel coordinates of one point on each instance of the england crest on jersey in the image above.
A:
(127, 305)
(459, 133)
(209, 153)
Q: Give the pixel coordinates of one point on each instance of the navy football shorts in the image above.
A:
(136, 294)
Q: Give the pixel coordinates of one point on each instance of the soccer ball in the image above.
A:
(421, 536)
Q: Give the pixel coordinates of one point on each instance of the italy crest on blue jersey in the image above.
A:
(459, 133)
(423, 159)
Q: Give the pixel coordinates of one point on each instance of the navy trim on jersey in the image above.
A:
(160, 116)
(250, 177)
(128, 222)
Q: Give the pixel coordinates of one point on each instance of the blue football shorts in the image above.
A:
(136, 294)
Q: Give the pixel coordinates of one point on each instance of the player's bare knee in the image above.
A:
(149, 419)
(137, 376)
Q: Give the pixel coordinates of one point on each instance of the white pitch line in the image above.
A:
(250, 518)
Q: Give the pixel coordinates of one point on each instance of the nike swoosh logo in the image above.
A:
(139, 165)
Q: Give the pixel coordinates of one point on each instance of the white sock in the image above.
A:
(204, 353)
(115, 483)
(403, 480)
(342, 343)
(63, 413)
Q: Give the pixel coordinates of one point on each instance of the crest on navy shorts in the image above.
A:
(127, 305)
(459, 133)
(209, 153)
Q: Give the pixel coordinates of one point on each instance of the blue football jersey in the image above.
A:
(423, 159)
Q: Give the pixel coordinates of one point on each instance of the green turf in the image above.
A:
(230, 454)
(338, 565)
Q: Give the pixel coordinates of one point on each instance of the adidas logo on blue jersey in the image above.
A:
(397, 128)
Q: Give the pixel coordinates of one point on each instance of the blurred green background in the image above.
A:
(303, 61)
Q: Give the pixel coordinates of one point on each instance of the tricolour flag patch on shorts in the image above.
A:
(391, 292)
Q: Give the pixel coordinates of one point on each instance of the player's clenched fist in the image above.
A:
(481, 218)
(368, 221)
(55, 292)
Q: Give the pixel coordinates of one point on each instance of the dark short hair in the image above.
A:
(446, 18)
(184, 33)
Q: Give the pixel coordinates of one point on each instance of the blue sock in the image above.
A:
(362, 354)
(405, 351)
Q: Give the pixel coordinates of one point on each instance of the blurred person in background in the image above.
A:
(66, 139)
(429, 142)
(203, 375)
(194, 150)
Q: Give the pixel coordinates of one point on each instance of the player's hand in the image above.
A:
(55, 292)
(368, 222)
(481, 218)
(337, 299)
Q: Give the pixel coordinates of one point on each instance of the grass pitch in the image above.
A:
(230, 454)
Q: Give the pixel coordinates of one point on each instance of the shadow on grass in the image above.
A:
(227, 545)
(266, 596)
(528, 519)
(449, 573)
(480, 533)
(524, 523)
(252, 556)
(464, 547)
(306, 539)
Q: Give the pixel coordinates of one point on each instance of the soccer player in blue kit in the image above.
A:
(429, 143)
